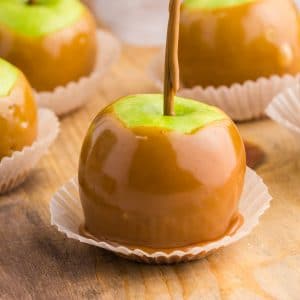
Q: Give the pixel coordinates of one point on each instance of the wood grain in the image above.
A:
(37, 262)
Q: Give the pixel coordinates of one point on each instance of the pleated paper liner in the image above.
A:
(65, 99)
(285, 108)
(67, 216)
(15, 169)
(241, 102)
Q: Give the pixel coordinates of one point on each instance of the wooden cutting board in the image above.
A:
(37, 262)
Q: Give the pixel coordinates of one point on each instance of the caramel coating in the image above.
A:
(55, 59)
(150, 188)
(18, 118)
(239, 43)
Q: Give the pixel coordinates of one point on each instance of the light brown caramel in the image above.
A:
(56, 59)
(18, 118)
(236, 223)
(156, 189)
(239, 43)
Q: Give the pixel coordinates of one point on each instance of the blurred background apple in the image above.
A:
(138, 22)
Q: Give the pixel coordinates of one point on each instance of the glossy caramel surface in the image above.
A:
(55, 59)
(18, 118)
(152, 188)
(234, 44)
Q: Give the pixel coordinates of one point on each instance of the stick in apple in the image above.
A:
(171, 81)
(31, 2)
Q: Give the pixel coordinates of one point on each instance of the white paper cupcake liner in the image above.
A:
(240, 101)
(285, 108)
(67, 215)
(65, 99)
(15, 169)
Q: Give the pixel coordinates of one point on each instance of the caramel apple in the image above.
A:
(231, 41)
(160, 172)
(18, 112)
(52, 41)
(156, 181)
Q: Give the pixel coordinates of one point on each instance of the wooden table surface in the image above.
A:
(37, 262)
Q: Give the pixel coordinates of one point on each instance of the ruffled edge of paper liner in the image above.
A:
(285, 108)
(242, 102)
(67, 216)
(15, 169)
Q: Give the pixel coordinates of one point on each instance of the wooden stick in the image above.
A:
(171, 80)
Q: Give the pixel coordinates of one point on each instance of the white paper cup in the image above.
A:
(15, 169)
(65, 99)
(241, 102)
(67, 215)
(285, 108)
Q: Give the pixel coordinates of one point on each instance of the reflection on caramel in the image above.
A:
(165, 189)
(239, 43)
(18, 118)
(55, 59)
(154, 181)
(104, 144)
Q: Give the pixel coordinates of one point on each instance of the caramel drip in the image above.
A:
(255, 155)
(171, 81)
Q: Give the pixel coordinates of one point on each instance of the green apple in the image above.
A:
(53, 42)
(40, 18)
(8, 76)
(213, 4)
(161, 182)
(147, 111)
(223, 42)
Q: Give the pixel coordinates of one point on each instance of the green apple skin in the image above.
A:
(147, 111)
(161, 182)
(52, 41)
(213, 4)
(41, 18)
(9, 76)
